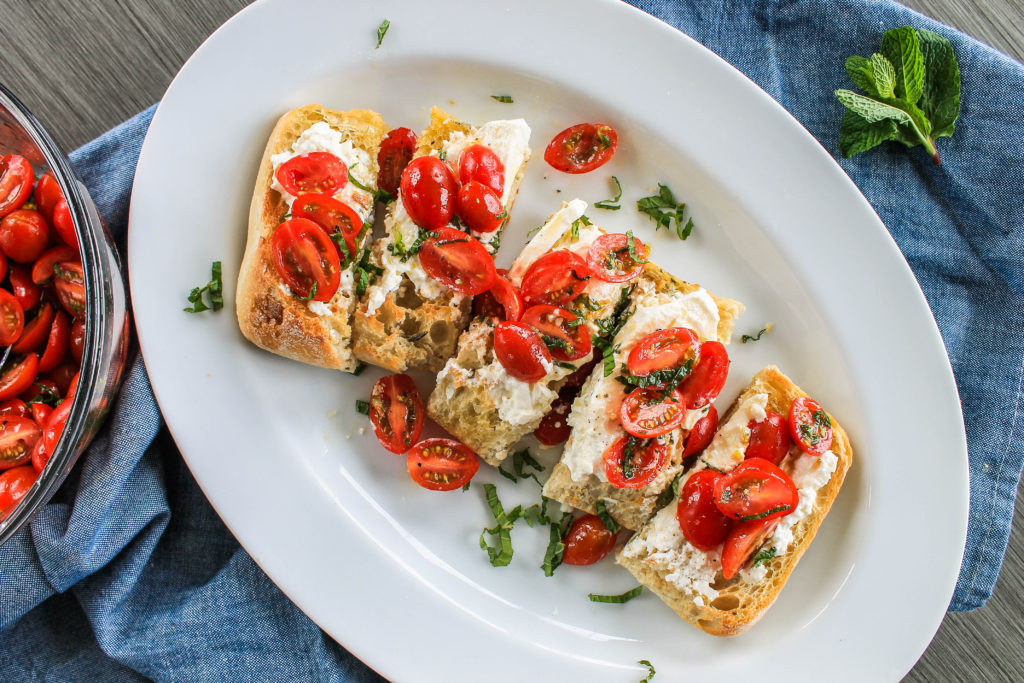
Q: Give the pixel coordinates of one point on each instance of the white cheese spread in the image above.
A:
(809, 473)
(544, 241)
(728, 448)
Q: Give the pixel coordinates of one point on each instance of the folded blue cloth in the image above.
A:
(129, 574)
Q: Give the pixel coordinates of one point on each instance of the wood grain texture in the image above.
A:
(85, 66)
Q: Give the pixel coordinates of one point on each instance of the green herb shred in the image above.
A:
(381, 31)
(754, 337)
(650, 670)
(664, 210)
(763, 556)
(362, 407)
(556, 548)
(359, 369)
(507, 99)
(617, 599)
(606, 519)
(214, 289)
(501, 553)
(613, 203)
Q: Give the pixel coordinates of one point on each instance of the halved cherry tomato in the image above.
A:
(16, 179)
(664, 350)
(556, 278)
(577, 378)
(396, 411)
(480, 208)
(19, 378)
(700, 520)
(18, 436)
(587, 541)
(481, 164)
(12, 318)
(40, 456)
(40, 412)
(441, 464)
(756, 489)
(582, 147)
(331, 215)
(396, 151)
(73, 384)
(306, 259)
(64, 224)
(69, 280)
(319, 172)
(47, 194)
(554, 427)
(42, 271)
(769, 438)
(41, 390)
(77, 340)
(744, 540)
(36, 331)
(708, 377)
(458, 262)
(632, 463)
(610, 259)
(24, 235)
(16, 407)
(520, 350)
(25, 291)
(14, 484)
(810, 426)
(62, 377)
(55, 424)
(3, 265)
(702, 433)
(429, 190)
(561, 331)
(56, 343)
(502, 300)
(647, 412)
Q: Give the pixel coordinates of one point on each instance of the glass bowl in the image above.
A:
(106, 325)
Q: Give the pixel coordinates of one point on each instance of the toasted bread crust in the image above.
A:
(740, 603)
(267, 315)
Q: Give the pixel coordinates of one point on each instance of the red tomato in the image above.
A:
(42, 271)
(554, 427)
(73, 384)
(744, 539)
(609, 258)
(3, 265)
(25, 291)
(632, 463)
(582, 147)
(520, 350)
(40, 456)
(55, 424)
(756, 489)
(664, 350)
(41, 389)
(77, 340)
(702, 433)
(647, 413)
(708, 377)
(18, 436)
(40, 412)
(502, 300)
(396, 411)
(24, 235)
(480, 208)
(700, 520)
(16, 179)
(458, 262)
(12, 318)
(331, 215)
(47, 194)
(565, 340)
(64, 224)
(37, 331)
(479, 163)
(15, 407)
(769, 438)
(69, 279)
(319, 172)
(56, 343)
(63, 378)
(306, 259)
(810, 426)
(577, 378)
(396, 151)
(429, 190)
(587, 541)
(19, 378)
(14, 484)
(556, 278)
(441, 464)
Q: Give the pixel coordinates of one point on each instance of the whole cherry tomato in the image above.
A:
(479, 163)
(700, 520)
(702, 433)
(24, 235)
(47, 194)
(520, 350)
(25, 291)
(480, 208)
(587, 541)
(429, 191)
(56, 343)
(64, 224)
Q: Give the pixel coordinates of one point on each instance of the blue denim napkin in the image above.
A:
(129, 574)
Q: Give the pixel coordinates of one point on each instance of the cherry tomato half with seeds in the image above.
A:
(587, 541)
(702, 433)
(554, 427)
(56, 343)
(501, 301)
(18, 436)
(556, 278)
(700, 520)
(36, 331)
(64, 224)
(319, 172)
(743, 541)
(306, 258)
(25, 291)
(769, 438)
(14, 484)
(479, 163)
(69, 280)
(47, 194)
(480, 208)
(12, 318)
(458, 262)
(647, 412)
(16, 180)
(77, 341)
(756, 489)
(429, 190)
(395, 153)
(664, 350)
(632, 463)
(582, 148)
(810, 426)
(708, 377)
(520, 350)
(561, 331)
(610, 258)
(396, 411)
(42, 270)
(19, 378)
(441, 464)
(24, 235)
(332, 215)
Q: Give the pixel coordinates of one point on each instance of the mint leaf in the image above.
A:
(862, 74)
(900, 47)
(940, 98)
(872, 110)
(885, 76)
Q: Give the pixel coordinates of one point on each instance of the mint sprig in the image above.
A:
(911, 93)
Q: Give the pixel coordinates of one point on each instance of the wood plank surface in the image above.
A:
(85, 66)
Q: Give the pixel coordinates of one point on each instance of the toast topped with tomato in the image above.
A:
(454, 198)
(719, 553)
(314, 194)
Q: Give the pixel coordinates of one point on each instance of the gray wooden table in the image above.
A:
(84, 66)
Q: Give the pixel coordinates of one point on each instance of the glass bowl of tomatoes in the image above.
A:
(63, 317)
